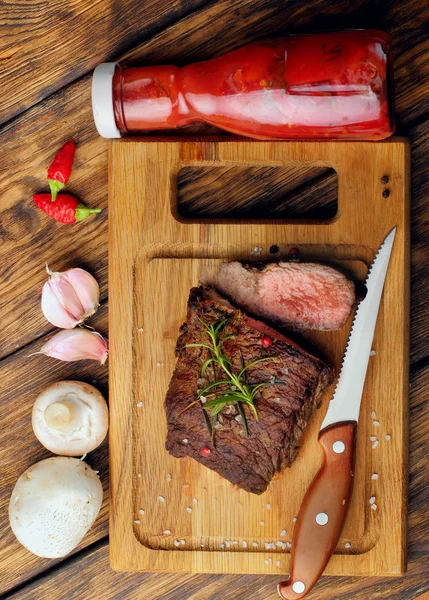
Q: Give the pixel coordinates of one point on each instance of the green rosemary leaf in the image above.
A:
(216, 409)
(220, 325)
(220, 400)
(203, 322)
(255, 362)
(199, 346)
(205, 365)
(212, 385)
(255, 388)
(227, 337)
(225, 359)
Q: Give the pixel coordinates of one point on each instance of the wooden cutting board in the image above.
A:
(171, 514)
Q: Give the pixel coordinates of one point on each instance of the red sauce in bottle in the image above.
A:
(326, 85)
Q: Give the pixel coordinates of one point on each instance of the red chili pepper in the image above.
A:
(205, 452)
(60, 168)
(266, 341)
(66, 209)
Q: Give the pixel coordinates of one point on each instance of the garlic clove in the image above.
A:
(86, 289)
(54, 311)
(69, 297)
(76, 344)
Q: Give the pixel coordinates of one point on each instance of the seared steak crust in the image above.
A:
(284, 407)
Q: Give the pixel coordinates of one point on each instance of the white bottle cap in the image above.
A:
(102, 100)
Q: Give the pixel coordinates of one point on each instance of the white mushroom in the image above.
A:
(70, 418)
(53, 504)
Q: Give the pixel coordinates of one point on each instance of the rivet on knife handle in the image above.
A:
(323, 512)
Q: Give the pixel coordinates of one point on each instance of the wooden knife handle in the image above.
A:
(322, 513)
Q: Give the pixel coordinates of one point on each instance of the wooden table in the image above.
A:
(47, 53)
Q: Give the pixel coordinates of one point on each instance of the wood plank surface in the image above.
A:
(154, 260)
(194, 30)
(44, 46)
(89, 577)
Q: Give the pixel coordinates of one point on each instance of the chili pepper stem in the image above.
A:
(56, 186)
(84, 211)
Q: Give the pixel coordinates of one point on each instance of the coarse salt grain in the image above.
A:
(222, 546)
(168, 477)
(158, 364)
(194, 500)
(238, 418)
(189, 509)
(255, 544)
(141, 511)
(244, 544)
(176, 543)
(139, 404)
(137, 521)
(387, 437)
(375, 444)
(376, 423)
(161, 498)
(374, 476)
(288, 545)
(262, 523)
(140, 329)
(228, 544)
(284, 546)
(347, 545)
(270, 546)
(182, 542)
(372, 438)
(282, 532)
(203, 399)
(372, 353)
(185, 441)
(374, 506)
(279, 544)
(373, 414)
(343, 502)
(277, 563)
(294, 520)
(268, 560)
(372, 500)
(268, 507)
(202, 546)
(167, 532)
(139, 475)
(277, 400)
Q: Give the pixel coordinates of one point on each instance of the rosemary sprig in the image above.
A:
(237, 389)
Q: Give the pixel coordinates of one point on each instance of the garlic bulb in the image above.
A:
(70, 297)
(78, 344)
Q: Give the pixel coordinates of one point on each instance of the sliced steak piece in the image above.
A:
(297, 381)
(296, 295)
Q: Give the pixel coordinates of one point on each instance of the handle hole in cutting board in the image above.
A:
(292, 192)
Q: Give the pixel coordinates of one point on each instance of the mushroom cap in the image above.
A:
(53, 504)
(80, 416)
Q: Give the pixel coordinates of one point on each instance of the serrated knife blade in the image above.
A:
(345, 403)
(324, 507)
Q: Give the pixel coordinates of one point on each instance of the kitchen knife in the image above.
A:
(324, 508)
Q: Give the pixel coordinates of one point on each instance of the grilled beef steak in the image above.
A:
(295, 382)
(297, 295)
